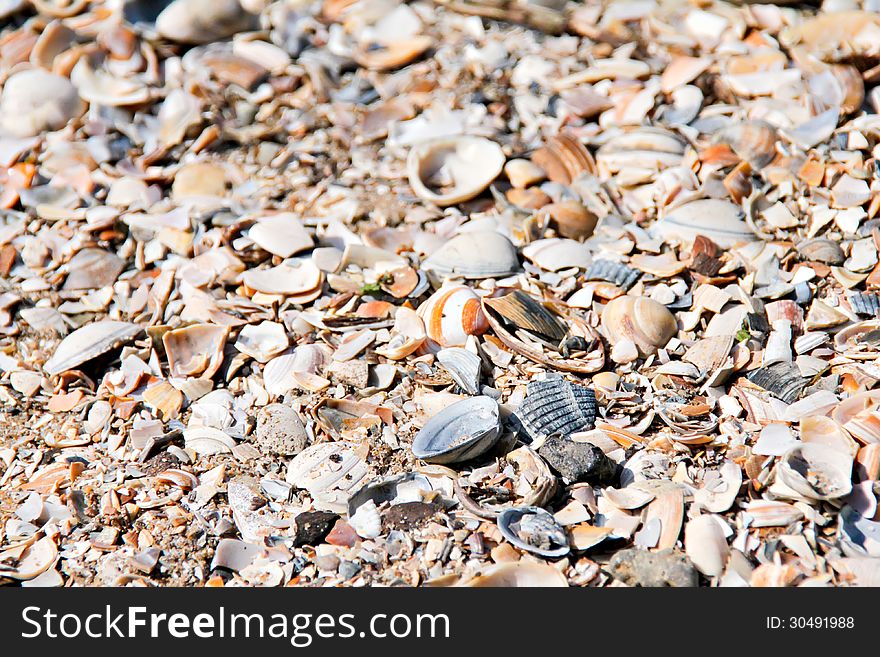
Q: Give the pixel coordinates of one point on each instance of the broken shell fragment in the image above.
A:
(705, 545)
(329, 472)
(520, 574)
(719, 220)
(89, 342)
(449, 171)
(463, 366)
(557, 407)
(648, 324)
(378, 56)
(816, 471)
(32, 562)
(533, 529)
(262, 341)
(195, 350)
(460, 432)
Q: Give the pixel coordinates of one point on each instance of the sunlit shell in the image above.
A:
(648, 324)
(262, 341)
(533, 529)
(571, 219)
(451, 170)
(525, 312)
(281, 234)
(816, 471)
(195, 350)
(207, 441)
(770, 513)
(460, 432)
(93, 268)
(852, 87)
(89, 342)
(557, 407)
(329, 472)
(753, 141)
(520, 574)
(554, 254)
(284, 279)
(451, 314)
(463, 366)
(819, 429)
(720, 488)
(475, 254)
(101, 88)
(719, 220)
(564, 158)
(203, 21)
(647, 148)
(34, 560)
(860, 416)
(705, 545)
(378, 56)
(34, 101)
(407, 335)
(821, 250)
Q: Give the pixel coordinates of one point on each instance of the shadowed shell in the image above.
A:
(460, 432)
(533, 529)
(89, 342)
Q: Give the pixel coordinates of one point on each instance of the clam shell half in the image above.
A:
(460, 432)
(451, 170)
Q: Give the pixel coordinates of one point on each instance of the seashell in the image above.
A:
(860, 416)
(35, 560)
(366, 521)
(652, 149)
(378, 56)
(858, 534)
(629, 498)
(462, 431)
(585, 536)
(612, 272)
(571, 219)
(207, 441)
(89, 342)
(195, 350)
(533, 529)
(778, 347)
(783, 380)
(281, 234)
(180, 478)
(519, 574)
(179, 112)
(705, 545)
(523, 173)
(262, 341)
(564, 158)
(329, 472)
(284, 279)
(662, 266)
(397, 489)
(203, 21)
(525, 312)
(720, 488)
(681, 71)
(687, 101)
(719, 220)
(59, 9)
(668, 508)
(648, 324)
(868, 463)
(852, 87)
(858, 341)
(822, 430)
(738, 182)
(450, 170)
(753, 141)
(605, 69)
(816, 471)
(822, 250)
(164, 399)
(35, 101)
(821, 316)
(555, 406)
(463, 366)
(451, 314)
(554, 254)
(475, 254)
(407, 335)
(535, 472)
(809, 341)
(767, 513)
(101, 88)
(93, 268)
(865, 303)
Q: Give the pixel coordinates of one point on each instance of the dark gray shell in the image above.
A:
(865, 303)
(533, 529)
(462, 431)
(783, 380)
(612, 272)
(555, 406)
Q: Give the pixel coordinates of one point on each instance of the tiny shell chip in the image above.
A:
(533, 529)
(462, 431)
(89, 342)
(557, 407)
(329, 472)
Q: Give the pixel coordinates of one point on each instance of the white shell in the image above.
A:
(207, 441)
(88, 342)
(34, 101)
(475, 254)
(451, 170)
(719, 220)
(329, 472)
(262, 341)
(463, 366)
(284, 279)
(556, 253)
(705, 544)
(816, 471)
(459, 432)
(281, 234)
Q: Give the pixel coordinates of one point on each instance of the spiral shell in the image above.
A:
(644, 321)
(451, 314)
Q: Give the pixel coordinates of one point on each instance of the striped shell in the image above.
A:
(555, 406)
(451, 314)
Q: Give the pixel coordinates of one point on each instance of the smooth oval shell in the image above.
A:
(753, 141)
(705, 545)
(475, 254)
(35, 101)
(647, 323)
(88, 342)
(535, 530)
(564, 158)
(451, 314)
(451, 170)
(557, 407)
(816, 471)
(721, 221)
(203, 21)
(460, 432)
(571, 219)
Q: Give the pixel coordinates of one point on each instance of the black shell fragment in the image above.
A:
(612, 272)
(556, 407)
(782, 380)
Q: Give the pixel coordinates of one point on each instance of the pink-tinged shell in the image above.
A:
(451, 314)
(860, 416)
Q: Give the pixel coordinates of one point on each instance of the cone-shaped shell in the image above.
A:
(451, 314)
(451, 170)
(647, 323)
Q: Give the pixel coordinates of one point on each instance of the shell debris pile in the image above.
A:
(469, 293)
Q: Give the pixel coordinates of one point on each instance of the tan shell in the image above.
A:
(451, 170)
(164, 399)
(647, 323)
(564, 158)
(203, 21)
(571, 219)
(475, 254)
(753, 141)
(719, 220)
(388, 56)
(705, 545)
(88, 342)
(520, 574)
(36, 559)
(195, 350)
(407, 335)
(262, 341)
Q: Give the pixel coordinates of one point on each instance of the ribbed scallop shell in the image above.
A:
(463, 366)
(556, 406)
(451, 314)
(477, 254)
(865, 303)
(781, 379)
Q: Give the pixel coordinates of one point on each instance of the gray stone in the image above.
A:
(637, 567)
(577, 461)
(280, 430)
